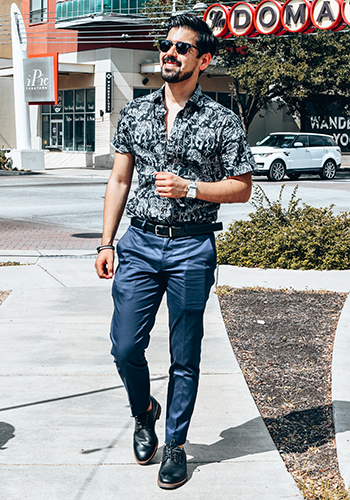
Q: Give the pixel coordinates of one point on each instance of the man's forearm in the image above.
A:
(115, 200)
(117, 191)
(232, 190)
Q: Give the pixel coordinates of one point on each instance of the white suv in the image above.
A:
(295, 154)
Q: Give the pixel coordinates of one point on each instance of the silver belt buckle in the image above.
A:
(158, 227)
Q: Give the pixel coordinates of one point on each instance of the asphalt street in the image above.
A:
(73, 198)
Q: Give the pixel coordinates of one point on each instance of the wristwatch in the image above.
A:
(191, 190)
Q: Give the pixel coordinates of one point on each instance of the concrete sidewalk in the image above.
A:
(65, 426)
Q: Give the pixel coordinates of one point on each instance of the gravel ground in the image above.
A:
(3, 296)
(283, 341)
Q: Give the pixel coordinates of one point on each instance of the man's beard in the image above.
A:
(173, 75)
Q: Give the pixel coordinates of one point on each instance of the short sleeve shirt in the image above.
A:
(206, 143)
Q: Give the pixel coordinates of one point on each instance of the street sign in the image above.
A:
(109, 92)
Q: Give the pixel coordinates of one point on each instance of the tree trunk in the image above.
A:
(238, 99)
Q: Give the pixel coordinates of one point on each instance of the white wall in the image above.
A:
(7, 114)
(273, 120)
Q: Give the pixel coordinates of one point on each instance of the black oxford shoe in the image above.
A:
(173, 471)
(145, 438)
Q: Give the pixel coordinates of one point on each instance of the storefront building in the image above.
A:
(105, 60)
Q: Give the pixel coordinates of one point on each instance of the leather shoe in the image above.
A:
(145, 438)
(173, 471)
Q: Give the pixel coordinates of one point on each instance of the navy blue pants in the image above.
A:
(148, 267)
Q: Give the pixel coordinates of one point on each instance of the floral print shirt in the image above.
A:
(206, 143)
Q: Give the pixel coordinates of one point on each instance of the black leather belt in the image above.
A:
(176, 231)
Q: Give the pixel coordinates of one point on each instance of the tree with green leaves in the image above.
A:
(294, 70)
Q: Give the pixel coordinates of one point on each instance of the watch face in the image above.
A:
(192, 191)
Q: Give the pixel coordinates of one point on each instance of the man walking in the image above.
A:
(190, 154)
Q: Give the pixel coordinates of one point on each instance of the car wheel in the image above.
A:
(293, 177)
(277, 171)
(328, 171)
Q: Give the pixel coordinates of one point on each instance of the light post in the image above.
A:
(19, 53)
(23, 157)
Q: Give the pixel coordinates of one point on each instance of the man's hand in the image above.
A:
(170, 185)
(104, 264)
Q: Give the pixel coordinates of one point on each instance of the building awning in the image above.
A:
(150, 68)
(62, 68)
(75, 68)
(111, 19)
(6, 71)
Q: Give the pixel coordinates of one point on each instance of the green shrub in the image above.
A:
(289, 238)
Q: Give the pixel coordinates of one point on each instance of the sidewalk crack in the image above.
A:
(52, 276)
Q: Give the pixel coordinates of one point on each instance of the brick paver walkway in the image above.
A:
(23, 235)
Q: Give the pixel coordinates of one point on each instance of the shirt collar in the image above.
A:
(197, 98)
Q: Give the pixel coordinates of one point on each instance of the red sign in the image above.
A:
(271, 17)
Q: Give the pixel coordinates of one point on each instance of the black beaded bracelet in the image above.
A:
(103, 247)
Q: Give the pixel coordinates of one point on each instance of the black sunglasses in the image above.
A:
(181, 47)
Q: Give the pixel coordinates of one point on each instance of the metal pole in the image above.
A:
(19, 53)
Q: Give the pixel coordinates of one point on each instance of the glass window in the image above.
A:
(56, 137)
(65, 127)
(211, 94)
(90, 100)
(79, 132)
(45, 131)
(328, 141)
(304, 139)
(141, 92)
(38, 10)
(277, 140)
(68, 101)
(224, 98)
(315, 140)
(68, 132)
(90, 133)
(58, 108)
(235, 107)
(80, 100)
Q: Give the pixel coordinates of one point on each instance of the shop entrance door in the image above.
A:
(56, 138)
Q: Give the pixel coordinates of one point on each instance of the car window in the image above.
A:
(316, 140)
(277, 140)
(304, 139)
(328, 141)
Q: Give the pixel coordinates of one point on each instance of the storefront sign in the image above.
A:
(109, 92)
(334, 121)
(240, 19)
(268, 18)
(296, 16)
(41, 79)
(271, 17)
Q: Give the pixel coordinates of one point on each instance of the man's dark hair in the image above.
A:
(206, 41)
